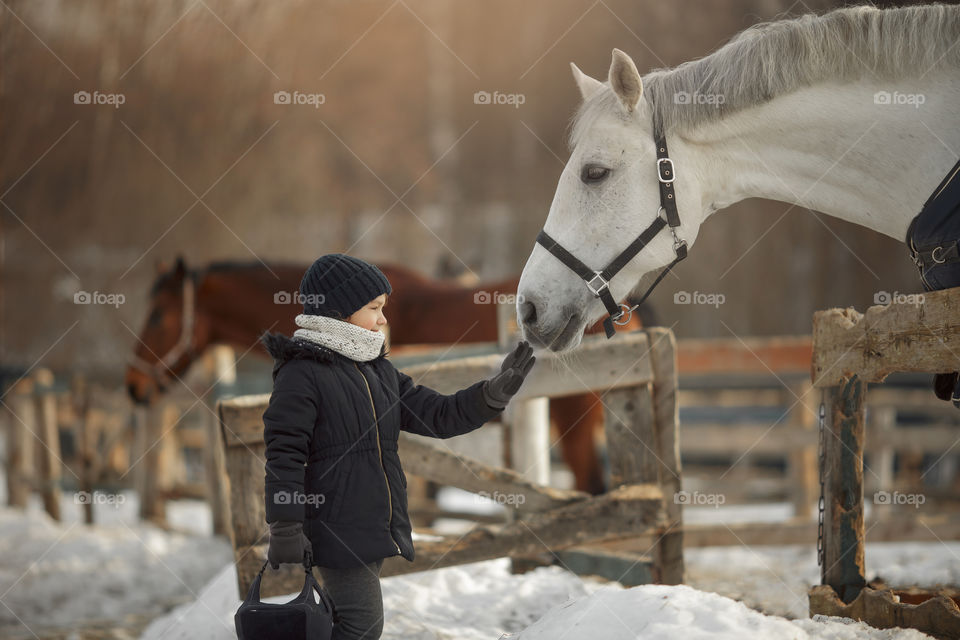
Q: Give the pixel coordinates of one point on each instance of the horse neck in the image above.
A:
(236, 307)
(834, 149)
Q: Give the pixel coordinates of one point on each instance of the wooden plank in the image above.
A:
(734, 439)
(721, 439)
(726, 356)
(918, 528)
(730, 397)
(419, 456)
(843, 527)
(597, 518)
(901, 336)
(629, 569)
(598, 364)
(918, 400)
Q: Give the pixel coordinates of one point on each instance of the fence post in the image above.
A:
(633, 443)
(20, 453)
(50, 465)
(843, 531)
(882, 425)
(80, 397)
(666, 414)
(158, 419)
(223, 371)
(802, 461)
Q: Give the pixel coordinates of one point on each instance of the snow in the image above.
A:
(60, 574)
(656, 612)
(483, 601)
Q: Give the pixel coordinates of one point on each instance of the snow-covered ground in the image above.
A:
(54, 575)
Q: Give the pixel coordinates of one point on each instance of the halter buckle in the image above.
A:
(628, 313)
(596, 291)
(660, 170)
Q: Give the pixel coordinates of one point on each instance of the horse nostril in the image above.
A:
(528, 312)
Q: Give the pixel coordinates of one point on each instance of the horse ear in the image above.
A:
(159, 265)
(625, 80)
(587, 85)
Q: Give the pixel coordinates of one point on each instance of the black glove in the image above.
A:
(498, 390)
(287, 543)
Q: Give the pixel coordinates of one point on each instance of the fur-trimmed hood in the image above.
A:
(283, 348)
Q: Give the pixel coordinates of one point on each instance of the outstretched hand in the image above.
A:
(514, 369)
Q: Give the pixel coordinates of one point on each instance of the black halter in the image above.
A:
(598, 281)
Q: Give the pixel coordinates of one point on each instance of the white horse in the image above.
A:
(854, 113)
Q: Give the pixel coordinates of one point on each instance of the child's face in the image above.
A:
(370, 316)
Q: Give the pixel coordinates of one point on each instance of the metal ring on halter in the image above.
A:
(933, 255)
(629, 314)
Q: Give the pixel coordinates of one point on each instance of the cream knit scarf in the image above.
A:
(343, 337)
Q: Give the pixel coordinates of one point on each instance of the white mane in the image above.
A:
(774, 58)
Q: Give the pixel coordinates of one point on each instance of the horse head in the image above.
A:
(607, 195)
(170, 339)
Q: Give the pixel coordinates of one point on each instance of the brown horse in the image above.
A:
(234, 303)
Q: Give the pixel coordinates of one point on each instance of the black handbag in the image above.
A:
(300, 619)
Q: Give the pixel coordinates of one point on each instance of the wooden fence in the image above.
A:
(851, 350)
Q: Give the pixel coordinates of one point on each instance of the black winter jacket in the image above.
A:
(331, 431)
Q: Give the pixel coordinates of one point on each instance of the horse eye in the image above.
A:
(594, 173)
(155, 317)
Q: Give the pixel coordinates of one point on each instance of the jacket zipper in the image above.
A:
(380, 454)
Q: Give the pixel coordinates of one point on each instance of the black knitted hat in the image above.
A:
(336, 285)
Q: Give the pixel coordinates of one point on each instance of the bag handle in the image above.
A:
(253, 595)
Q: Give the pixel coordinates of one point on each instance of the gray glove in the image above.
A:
(287, 543)
(498, 390)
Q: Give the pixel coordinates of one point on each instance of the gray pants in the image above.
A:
(359, 601)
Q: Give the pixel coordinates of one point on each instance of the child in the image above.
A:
(333, 481)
